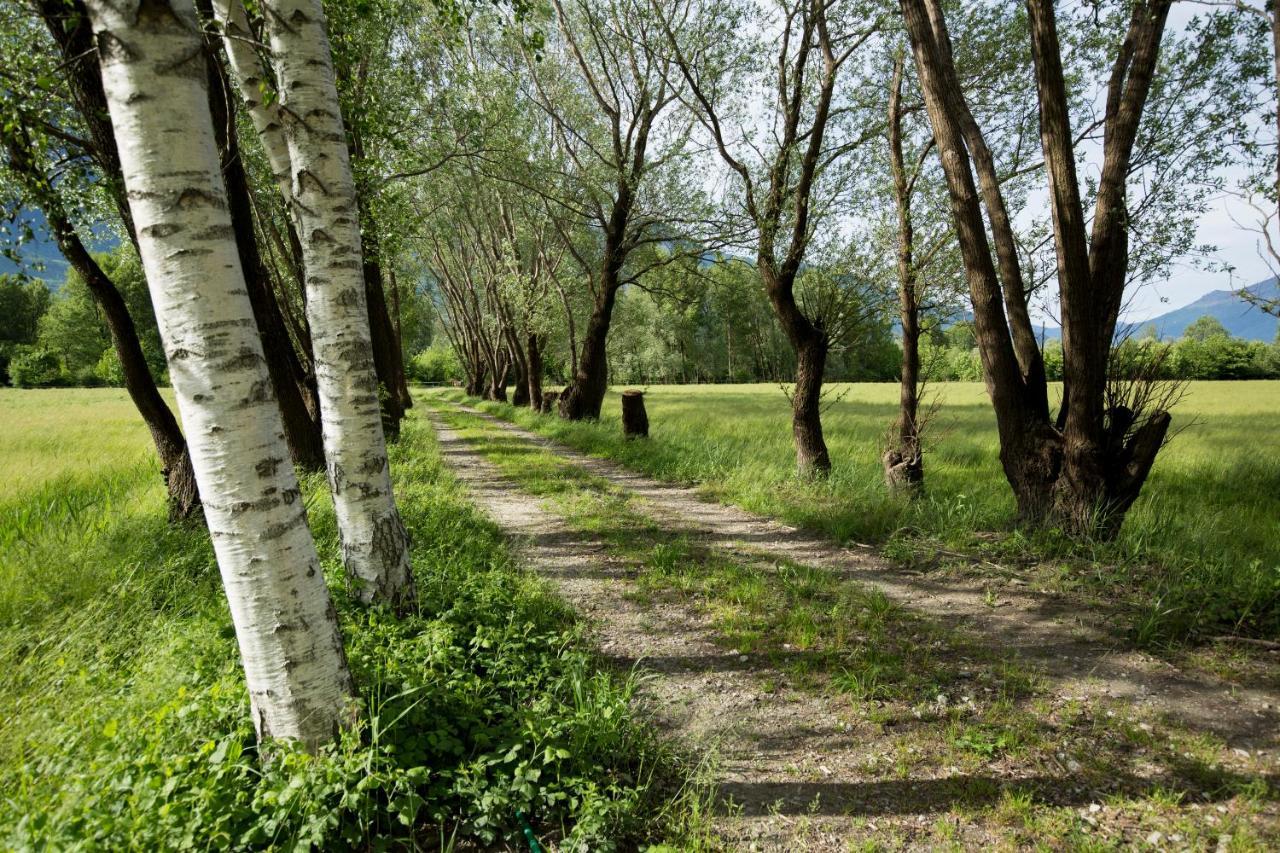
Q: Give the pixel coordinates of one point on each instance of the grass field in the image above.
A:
(125, 721)
(1199, 553)
(125, 718)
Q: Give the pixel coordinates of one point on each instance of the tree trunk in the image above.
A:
(520, 388)
(1085, 471)
(904, 464)
(496, 390)
(584, 396)
(375, 544)
(635, 421)
(387, 359)
(533, 376)
(290, 645)
(171, 447)
(812, 459)
(301, 426)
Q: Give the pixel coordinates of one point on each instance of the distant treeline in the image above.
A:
(52, 338)
(1206, 350)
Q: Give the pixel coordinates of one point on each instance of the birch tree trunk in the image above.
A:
(153, 68)
(375, 544)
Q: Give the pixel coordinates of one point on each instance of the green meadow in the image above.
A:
(126, 723)
(1199, 554)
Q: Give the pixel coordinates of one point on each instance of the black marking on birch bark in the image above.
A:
(112, 49)
(306, 176)
(245, 359)
(374, 463)
(268, 467)
(215, 232)
(190, 253)
(160, 230)
(348, 297)
(275, 531)
(262, 505)
(193, 197)
(259, 392)
(227, 324)
(190, 67)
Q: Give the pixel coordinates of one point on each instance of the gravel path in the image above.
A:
(793, 768)
(1075, 649)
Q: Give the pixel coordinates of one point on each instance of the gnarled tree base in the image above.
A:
(904, 471)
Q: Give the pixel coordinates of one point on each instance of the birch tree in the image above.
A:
(154, 76)
(375, 544)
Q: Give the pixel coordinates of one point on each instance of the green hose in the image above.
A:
(534, 846)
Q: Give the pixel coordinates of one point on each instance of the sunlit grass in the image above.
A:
(1198, 554)
(125, 717)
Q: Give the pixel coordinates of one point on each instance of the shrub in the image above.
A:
(35, 367)
(435, 364)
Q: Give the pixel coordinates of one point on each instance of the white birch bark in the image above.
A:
(375, 545)
(154, 73)
(253, 79)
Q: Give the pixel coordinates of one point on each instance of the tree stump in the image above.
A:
(635, 422)
(549, 399)
(903, 471)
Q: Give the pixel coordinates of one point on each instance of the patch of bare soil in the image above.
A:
(797, 770)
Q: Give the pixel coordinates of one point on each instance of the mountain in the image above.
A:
(1240, 318)
(40, 257)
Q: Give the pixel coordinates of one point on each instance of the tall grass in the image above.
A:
(1199, 553)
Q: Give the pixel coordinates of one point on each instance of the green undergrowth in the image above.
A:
(126, 721)
(1197, 556)
(1023, 763)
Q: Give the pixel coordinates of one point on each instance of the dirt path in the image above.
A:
(795, 769)
(1074, 649)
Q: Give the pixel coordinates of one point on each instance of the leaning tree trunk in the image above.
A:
(301, 426)
(375, 544)
(388, 364)
(584, 396)
(520, 386)
(171, 447)
(290, 645)
(812, 458)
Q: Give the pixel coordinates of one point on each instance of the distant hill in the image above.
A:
(40, 257)
(1239, 317)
